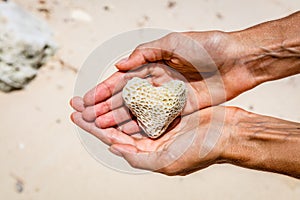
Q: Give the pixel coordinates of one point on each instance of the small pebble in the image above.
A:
(219, 15)
(106, 8)
(171, 4)
(80, 15)
(19, 186)
(21, 146)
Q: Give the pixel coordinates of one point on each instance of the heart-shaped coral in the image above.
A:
(154, 107)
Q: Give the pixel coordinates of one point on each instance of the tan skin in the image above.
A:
(243, 59)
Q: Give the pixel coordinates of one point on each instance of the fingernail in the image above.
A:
(122, 61)
(72, 118)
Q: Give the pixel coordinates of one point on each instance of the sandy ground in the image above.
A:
(41, 155)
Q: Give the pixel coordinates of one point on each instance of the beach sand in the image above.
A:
(41, 154)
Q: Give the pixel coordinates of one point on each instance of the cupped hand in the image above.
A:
(198, 141)
(111, 110)
(204, 61)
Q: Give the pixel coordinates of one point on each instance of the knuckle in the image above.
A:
(98, 122)
(86, 114)
(103, 122)
(103, 108)
(87, 99)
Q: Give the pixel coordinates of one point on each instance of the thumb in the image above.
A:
(122, 149)
(143, 54)
(128, 152)
(136, 159)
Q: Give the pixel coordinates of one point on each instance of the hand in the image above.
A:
(197, 56)
(198, 141)
(237, 62)
(113, 111)
(210, 136)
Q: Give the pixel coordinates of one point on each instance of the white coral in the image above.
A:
(25, 44)
(154, 107)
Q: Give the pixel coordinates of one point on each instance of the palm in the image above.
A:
(160, 153)
(191, 145)
(184, 141)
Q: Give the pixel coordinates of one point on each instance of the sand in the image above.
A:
(41, 154)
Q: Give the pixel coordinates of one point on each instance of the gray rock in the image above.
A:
(25, 45)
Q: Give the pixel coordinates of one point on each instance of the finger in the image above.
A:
(105, 89)
(92, 112)
(90, 127)
(108, 136)
(123, 148)
(145, 53)
(113, 118)
(136, 158)
(77, 103)
(130, 127)
(112, 85)
(139, 136)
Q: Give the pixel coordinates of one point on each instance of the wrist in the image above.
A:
(239, 148)
(265, 143)
(271, 50)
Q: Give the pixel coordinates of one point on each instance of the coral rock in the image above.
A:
(25, 45)
(154, 107)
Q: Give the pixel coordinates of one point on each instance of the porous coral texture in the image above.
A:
(155, 107)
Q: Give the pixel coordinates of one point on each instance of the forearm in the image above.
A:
(271, 50)
(266, 143)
